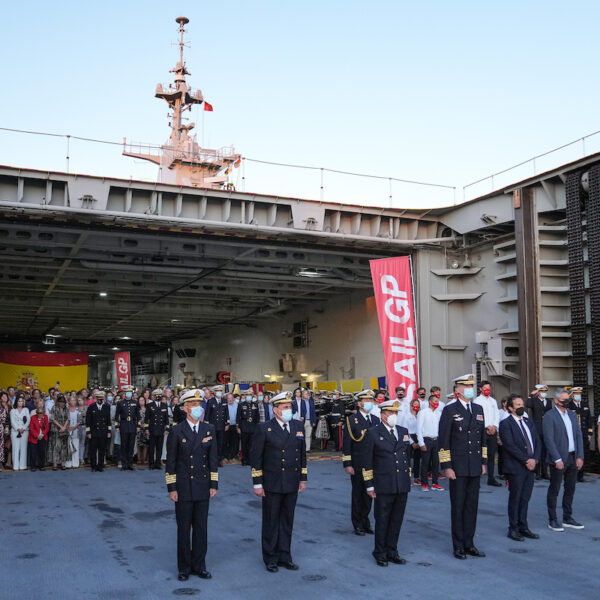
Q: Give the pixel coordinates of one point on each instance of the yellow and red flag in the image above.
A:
(43, 370)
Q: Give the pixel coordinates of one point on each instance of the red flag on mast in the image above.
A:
(208, 106)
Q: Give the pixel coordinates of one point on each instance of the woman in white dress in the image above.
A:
(19, 433)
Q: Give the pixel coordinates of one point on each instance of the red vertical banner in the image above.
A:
(123, 365)
(392, 283)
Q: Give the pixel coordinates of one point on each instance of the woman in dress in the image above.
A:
(38, 436)
(19, 422)
(3, 425)
(141, 439)
(58, 447)
(82, 409)
(73, 428)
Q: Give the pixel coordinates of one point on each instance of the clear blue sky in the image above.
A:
(441, 91)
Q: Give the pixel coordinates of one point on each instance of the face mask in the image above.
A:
(392, 420)
(260, 398)
(469, 393)
(437, 395)
(486, 392)
(128, 394)
(577, 398)
(219, 394)
(110, 398)
(564, 403)
(543, 394)
(434, 405)
(520, 411)
(367, 407)
(286, 415)
(400, 395)
(99, 400)
(416, 408)
(196, 413)
(248, 398)
(421, 395)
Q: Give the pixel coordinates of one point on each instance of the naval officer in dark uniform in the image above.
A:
(157, 426)
(97, 428)
(192, 479)
(463, 457)
(354, 460)
(247, 419)
(337, 414)
(127, 423)
(387, 480)
(279, 472)
(217, 414)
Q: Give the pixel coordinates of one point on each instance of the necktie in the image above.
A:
(469, 408)
(527, 442)
(195, 429)
(286, 429)
(393, 432)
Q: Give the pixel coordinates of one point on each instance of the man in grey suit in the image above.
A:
(564, 448)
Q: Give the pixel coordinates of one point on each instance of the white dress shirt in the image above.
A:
(503, 414)
(491, 417)
(569, 427)
(193, 426)
(520, 420)
(428, 424)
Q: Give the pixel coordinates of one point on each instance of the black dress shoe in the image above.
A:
(359, 531)
(397, 560)
(460, 554)
(529, 534)
(288, 564)
(494, 483)
(183, 576)
(204, 574)
(381, 563)
(272, 568)
(472, 551)
(369, 530)
(515, 535)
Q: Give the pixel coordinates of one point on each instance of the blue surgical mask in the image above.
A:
(196, 412)
(261, 398)
(543, 394)
(128, 394)
(110, 398)
(469, 393)
(577, 397)
(219, 394)
(367, 407)
(286, 415)
(248, 398)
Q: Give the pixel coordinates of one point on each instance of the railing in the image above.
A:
(579, 148)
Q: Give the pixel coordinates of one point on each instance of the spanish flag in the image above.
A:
(43, 370)
(208, 106)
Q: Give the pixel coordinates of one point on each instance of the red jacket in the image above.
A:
(36, 425)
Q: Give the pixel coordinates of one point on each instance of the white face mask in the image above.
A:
(286, 415)
(391, 420)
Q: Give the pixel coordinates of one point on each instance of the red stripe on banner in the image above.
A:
(44, 359)
(392, 283)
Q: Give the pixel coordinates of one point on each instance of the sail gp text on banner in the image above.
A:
(123, 365)
(395, 310)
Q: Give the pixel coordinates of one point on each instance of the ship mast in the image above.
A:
(181, 160)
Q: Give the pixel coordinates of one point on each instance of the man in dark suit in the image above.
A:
(305, 407)
(564, 447)
(387, 479)
(217, 414)
(463, 457)
(522, 451)
(247, 419)
(279, 473)
(354, 460)
(582, 409)
(192, 479)
(156, 423)
(97, 428)
(537, 405)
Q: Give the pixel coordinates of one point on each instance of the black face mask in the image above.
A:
(421, 395)
(520, 411)
(400, 394)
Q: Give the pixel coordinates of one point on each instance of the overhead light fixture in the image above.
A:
(103, 294)
(125, 338)
(92, 355)
(174, 320)
(303, 374)
(51, 351)
(53, 335)
(267, 376)
(309, 272)
(114, 348)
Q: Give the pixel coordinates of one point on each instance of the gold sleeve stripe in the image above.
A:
(346, 457)
(87, 429)
(170, 478)
(484, 452)
(305, 471)
(367, 475)
(444, 455)
(214, 476)
(257, 473)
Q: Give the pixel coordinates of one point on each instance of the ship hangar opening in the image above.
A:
(194, 282)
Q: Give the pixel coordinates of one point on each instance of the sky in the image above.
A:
(441, 92)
